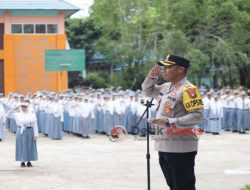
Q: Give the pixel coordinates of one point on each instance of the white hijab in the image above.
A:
(26, 119)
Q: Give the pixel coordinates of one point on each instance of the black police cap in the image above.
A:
(175, 60)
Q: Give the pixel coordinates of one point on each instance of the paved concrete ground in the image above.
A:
(223, 163)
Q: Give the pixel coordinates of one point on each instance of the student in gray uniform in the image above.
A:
(56, 129)
(27, 133)
(226, 110)
(215, 116)
(241, 110)
(247, 112)
(232, 112)
(206, 101)
(108, 115)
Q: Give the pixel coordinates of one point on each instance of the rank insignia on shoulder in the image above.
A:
(192, 99)
(177, 85)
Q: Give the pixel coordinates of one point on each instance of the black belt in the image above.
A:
(25, 127)
(214, 119)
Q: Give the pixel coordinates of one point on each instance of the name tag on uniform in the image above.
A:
(171, 98)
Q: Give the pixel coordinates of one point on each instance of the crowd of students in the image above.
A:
(78, 113)
(226, 109)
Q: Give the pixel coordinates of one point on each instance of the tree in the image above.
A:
(82, 34)
(98, 79)
(213, 34)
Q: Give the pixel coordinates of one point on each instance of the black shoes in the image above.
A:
(86, 137)
(23, 165)
(29, 164)
(242, 132)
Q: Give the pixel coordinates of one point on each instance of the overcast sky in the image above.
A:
(84, 5)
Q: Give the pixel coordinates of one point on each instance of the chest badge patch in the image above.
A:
(167, 104)
(191, 92)
(163, 91)
(167, 110)
(167, 107)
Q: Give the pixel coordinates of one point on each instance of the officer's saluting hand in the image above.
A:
(154, 72)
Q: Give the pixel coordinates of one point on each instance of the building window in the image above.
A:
(16, 29)
(51, 28)
(40, 28)
(34, 28)
(28, 28)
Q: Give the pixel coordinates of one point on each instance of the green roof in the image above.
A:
(31, 6)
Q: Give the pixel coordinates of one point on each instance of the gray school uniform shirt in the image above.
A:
(182, 105)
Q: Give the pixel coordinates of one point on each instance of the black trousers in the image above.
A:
(178, 169)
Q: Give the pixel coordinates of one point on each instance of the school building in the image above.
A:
(27, 29)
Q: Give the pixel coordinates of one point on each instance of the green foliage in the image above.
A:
(199, 60)
(213, 34)
(130, 77)
(82, 33)
(98, 79)
(247, 187)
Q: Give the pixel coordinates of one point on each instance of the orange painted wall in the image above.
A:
(24, 63)
(1, 54)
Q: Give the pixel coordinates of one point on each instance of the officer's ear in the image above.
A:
(181, 70)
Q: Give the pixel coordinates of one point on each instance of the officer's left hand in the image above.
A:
(158, 121)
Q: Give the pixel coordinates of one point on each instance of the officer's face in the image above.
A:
(171, 72)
